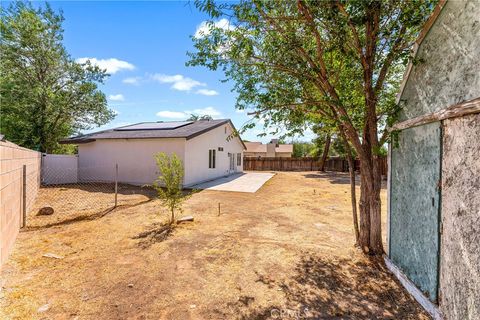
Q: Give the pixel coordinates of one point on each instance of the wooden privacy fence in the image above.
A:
(303, 164)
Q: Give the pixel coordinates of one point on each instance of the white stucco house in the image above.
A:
(209, 149)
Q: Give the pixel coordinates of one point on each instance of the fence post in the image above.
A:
(24, 196)
(116, 183)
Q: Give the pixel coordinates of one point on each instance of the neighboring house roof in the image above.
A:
(255, 147)
(284, 148)
(149, 130)
(262, 148)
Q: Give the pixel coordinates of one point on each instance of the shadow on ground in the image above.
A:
(85, 217)
(332, 177)
(157, 233)
(103, 187)
(340, 289)
(339, 177)
(74, 203)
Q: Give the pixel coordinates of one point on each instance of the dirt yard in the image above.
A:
(285, 252)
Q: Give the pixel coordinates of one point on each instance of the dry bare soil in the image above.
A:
(284, 252)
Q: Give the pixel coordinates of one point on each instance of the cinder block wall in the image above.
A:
(12, 159)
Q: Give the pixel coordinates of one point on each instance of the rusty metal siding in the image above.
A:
(460, 244)
(414, 206)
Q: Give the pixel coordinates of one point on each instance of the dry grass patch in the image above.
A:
(284, 247)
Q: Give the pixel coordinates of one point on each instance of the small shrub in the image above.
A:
(169, 183)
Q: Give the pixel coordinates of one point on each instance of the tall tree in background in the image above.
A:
(197, 117)
(45, 94)
(338, 60)
(322, 142)
(302, 149)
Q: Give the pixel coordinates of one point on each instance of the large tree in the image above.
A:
(339, 61)
(45, 94)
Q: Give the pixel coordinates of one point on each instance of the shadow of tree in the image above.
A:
(85, 217)
(159, 233)
(332, 177)
(341, 289)
(103, 187)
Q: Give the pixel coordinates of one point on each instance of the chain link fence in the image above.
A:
(71, 194)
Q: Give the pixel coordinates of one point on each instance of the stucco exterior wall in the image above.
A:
(196, 155)
(448, 69)
(12, 160)
(135, 159)
(283, 154)
(435, 173)
(460, 242)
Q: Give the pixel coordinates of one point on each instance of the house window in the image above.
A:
(211, 158)
(239, 159)
(220, 148)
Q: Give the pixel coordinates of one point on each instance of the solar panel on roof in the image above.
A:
(155, 126)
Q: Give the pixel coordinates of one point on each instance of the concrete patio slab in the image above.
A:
(239, 182)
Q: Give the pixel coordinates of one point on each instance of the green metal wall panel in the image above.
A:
(414, 206)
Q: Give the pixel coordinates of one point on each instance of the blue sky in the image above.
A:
(143, 46)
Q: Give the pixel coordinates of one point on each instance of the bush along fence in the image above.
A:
(19, 185)
(303, 164)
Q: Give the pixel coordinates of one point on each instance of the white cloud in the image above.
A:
(111, 65)
(204, 28)
(178, 81)
(240, 111)
(132, 80)
(116, 97)
(207, 92)
(210, 111)
(172, 114)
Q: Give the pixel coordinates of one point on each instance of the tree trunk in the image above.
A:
(353, 196)
(370, 208)
(376, 242)
(326, 148)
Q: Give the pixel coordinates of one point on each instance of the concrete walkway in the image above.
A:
(239, 182)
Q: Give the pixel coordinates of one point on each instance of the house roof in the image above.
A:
(149, 130)
(259, 147)
(284, 148)
(255, 147)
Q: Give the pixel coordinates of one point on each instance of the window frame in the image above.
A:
(211, 158)
(239, 159)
